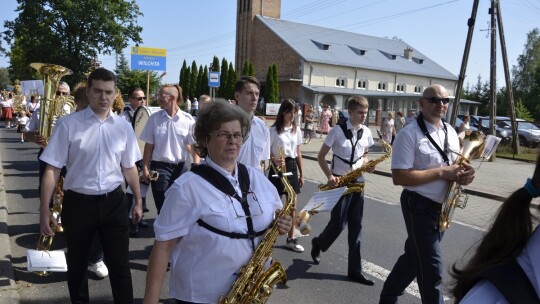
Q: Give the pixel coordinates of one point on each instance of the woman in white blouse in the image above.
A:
(512, 245)
(206, 231)
(286, 134)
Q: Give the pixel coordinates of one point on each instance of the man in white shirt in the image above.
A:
(423, 163)
(256, 150)
(168, 135)
(349, 144)
(94, 201)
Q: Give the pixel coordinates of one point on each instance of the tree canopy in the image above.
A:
(69, 32)
(129, 79)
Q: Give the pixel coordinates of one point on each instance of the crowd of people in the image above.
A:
(203, 238)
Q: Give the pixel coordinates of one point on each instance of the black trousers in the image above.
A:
(83, 217)
(168, 173)
(348, 211)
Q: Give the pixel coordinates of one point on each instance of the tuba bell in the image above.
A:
(51, 107)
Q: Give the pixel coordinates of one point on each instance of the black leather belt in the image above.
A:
(97, 197)
(166, 164)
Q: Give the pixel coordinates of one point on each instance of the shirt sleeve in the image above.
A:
(266, 151)
(403, 151)
(55, 153)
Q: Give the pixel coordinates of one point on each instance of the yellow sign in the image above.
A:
(145, 51)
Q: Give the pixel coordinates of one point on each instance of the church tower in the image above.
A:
(245, 19)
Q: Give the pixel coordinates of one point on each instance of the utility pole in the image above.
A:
(493, 71)
(495, 12)
(509, 89)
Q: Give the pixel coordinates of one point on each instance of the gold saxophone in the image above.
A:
(45, 241)
(473, 146)
(51, 107)
(254, 284)
(348, 180)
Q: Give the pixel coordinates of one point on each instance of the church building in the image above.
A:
(318, 65)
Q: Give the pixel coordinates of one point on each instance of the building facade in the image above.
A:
(318, 65)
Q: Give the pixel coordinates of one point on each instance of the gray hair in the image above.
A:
(210, 119)
(65, 85)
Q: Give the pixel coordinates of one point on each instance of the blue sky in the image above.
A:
(198, 30)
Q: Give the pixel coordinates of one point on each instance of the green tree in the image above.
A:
(522, 111)
(232, 77)
(70, 33)
(182, 79)
(200, 81)
(224, 78)
(275, 80)
(251, 69)
(245, 70)
(204, 86)
(526, 80)
(4, 78)
(269, 90)
(193, 80)
(480, 93)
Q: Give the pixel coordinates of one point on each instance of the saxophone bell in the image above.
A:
(473, 146)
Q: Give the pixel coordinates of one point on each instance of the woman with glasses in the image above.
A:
(286, 136)
(214, 216)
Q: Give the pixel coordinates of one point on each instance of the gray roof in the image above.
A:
(330, 46)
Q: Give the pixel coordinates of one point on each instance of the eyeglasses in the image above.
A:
(228, 136)
(139, 98)
(58, 93)
(253, 210)
(437, 100)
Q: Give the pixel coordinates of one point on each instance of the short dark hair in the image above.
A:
(101, 74)
(211, 117)
(241, 83)
(133, 90)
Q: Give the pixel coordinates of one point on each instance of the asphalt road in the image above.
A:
(383, 239)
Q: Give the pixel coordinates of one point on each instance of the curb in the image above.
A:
(8, 288)
(468, 191)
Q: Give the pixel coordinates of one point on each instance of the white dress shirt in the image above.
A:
(169, 135)
(93, 152)
(288, 140)
(342, 147)
(528, 259)
(257, 146)
(413, 150)
(204, 264)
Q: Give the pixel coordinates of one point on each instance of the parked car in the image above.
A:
(529, 134)
(482, 123)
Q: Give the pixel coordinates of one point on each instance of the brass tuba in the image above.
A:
(254, 285)
(473, 146)
(51, 107)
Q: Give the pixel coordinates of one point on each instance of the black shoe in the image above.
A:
(360, 278)
(143, 224)
(145, 208)
(315, 251)
(133, 230)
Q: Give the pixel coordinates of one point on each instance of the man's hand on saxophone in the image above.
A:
(465, 174)
(47, 222)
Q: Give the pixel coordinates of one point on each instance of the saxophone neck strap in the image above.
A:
(422, 125)
(222, 183)
(348, 134)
